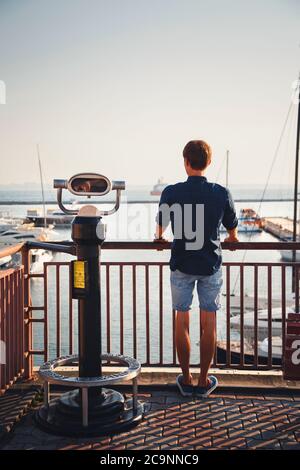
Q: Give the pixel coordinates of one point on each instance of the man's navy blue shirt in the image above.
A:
(218, 209)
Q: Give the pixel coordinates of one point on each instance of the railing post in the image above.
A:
(27, 324)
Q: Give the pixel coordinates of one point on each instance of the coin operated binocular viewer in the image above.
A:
(90, 408)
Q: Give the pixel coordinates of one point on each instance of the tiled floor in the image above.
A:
(226, 420)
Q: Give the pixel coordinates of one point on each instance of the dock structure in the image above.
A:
(280, 227)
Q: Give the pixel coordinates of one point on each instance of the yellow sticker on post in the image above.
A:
(80, 279)
(79, 275)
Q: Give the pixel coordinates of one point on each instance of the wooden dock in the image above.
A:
(280, 227)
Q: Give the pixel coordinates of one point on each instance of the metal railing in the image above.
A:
(137, 317)
(12, 323)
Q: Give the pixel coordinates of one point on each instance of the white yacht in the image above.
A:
(23, 233)
(5, 261)
(263, 347)
(288, 256)
(7, 222)
(52, 217)
(14, 235)
(4, 226)
(263, 322)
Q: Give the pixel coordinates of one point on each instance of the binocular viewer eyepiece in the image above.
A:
(88, 184)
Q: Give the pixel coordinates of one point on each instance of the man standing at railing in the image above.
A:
(196, 209)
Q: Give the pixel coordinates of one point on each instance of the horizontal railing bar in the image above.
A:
(36, 320)
(59, 248)
(61, 242)
(166, 263)
(57, 263)
(155, 245)
(135, 263)
(67, 247)
(36, 352)
(260, 263)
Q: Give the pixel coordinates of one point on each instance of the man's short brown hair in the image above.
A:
(198, 154)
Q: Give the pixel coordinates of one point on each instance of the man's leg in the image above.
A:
(183, 344)
(207, 344)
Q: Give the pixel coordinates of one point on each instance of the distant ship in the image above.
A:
(158, 187)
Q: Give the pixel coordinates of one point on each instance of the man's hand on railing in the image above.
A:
(158, 236)
(231, 239)
(160, 241)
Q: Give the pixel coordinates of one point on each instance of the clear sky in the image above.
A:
(119, 86)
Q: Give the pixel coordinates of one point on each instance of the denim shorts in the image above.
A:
(208, 288)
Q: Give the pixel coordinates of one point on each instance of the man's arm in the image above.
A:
(159, 233)
(230, 220)
(163, 215)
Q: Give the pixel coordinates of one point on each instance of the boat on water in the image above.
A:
(158, 187)
(249, 355)
(53, 217)
(249, 222)
(263, 348)
(7, 222)
(5, 225)
(5, 261)
(23, 233)
(289, 256)
(262, 322)
(37, 260)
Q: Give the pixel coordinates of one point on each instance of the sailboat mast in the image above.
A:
(227, 168)
(296, 169)
(42, 184)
